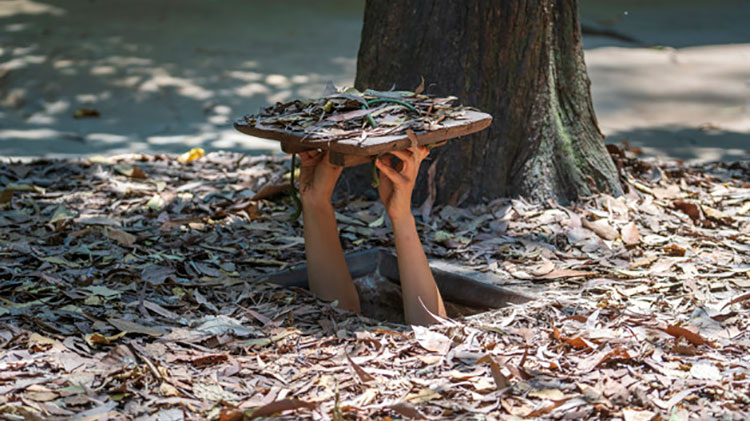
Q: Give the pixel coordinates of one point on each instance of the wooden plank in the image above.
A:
(458, 285)
(473, 121)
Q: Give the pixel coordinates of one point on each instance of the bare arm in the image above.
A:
(327, 272)
(417, 281)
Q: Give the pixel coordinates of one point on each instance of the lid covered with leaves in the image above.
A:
(364, 123)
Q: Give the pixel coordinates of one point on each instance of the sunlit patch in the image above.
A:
(103, 70)
(61, 64)
(252, 89)
(28, 7)
(300, 79)
(90, 98)
(278, 81)
(185, 87)
(180, 139)
(122, 61)
(21, 62)
(32, 134)
(16, 27)
(245, 76)
(222, 110)
(218, 119)
(127, 82)
(22, 51)
(231, 139)
(108, 138)
(41, 119)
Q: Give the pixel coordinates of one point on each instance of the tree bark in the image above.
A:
(519, 60)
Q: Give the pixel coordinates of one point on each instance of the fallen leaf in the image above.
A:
(681, 332)
(630, 235)
(674, 250)
(121, 237)
(636, 415)
(739, 299)
(278, 406)
(191, 155)
(566, 273)
(407, 410)
(361, 373)
(133, 327)
(705, 371)
(601, 227)
(690, 209)
(500, 380)
(432, 341)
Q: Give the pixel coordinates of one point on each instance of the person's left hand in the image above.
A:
(396, 187)
(317, 177)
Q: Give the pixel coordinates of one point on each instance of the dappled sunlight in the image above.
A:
(28, 7)
(180, 92)
(160, 74)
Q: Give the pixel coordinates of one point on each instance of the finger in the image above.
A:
(308, 154)
(403, 154)
(399, 165)
(395, 176)
(309, 157)
(424, 151)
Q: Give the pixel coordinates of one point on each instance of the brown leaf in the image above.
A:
(630, 235)
(674, 250)
(741, 298)
(420, 88)
(690, 209)
(500, 380)
(681, 332)
(363, 375)
(208, 360)
(618, 353)
(601, 227)
(120, 237)
(278, 406)
(408, 410)
(272, 189)
(576, 342)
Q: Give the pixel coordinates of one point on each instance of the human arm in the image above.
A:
(417, 281)
(327, 273)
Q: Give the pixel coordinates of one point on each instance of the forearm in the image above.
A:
(416, 277)
(327, 272)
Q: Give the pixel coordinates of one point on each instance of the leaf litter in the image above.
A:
(116, 305)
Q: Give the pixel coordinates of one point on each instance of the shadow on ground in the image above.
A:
(164, 76)
(687, 144)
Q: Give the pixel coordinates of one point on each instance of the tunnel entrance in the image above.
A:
(375, 274)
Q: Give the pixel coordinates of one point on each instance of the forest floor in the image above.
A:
(132, 289)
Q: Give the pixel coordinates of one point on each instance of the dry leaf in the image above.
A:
(630, 235)
(432, 341)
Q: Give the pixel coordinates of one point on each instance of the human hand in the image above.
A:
(396, 187)
(317, 177)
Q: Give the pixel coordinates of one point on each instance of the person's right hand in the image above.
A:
(317, 177)
(397, 181)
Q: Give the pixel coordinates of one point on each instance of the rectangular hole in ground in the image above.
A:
(375, 274)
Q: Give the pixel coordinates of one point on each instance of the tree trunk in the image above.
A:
(522, 62)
